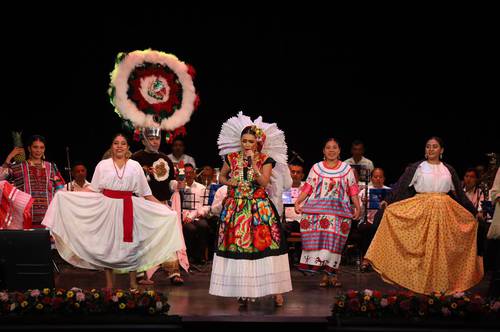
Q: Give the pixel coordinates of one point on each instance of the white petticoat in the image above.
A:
(250, 278)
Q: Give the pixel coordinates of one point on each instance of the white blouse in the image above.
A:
(431, 178)
(133, 179)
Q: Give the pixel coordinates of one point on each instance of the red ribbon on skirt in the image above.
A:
(128, 211)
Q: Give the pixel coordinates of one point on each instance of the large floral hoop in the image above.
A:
(153, 89)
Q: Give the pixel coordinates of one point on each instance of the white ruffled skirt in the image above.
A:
(88, 232)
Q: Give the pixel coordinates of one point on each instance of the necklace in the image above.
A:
(32, 163)
(38, 171)
(116, 170)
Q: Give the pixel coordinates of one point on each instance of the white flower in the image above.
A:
(159, 305)
(384, 303)
(4, 297)
(458, 295)
(12, 307)
(368, 292)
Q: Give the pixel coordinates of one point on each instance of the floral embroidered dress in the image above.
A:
(326, 217)
(251, 259)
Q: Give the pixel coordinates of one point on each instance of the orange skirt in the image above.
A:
(427, 244)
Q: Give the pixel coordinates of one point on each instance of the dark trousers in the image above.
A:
(492, 263)
(295, 249)
(196, 238)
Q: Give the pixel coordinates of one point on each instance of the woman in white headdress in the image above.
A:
(251, 258)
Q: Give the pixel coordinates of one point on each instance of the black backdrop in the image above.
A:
(390, 82)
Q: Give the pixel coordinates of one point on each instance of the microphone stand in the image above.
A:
(68, 168)
(367, 180)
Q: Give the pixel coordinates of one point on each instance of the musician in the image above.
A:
(365, 226)
(79, 174)
(159, 171)
(178, 148)
(195, 225)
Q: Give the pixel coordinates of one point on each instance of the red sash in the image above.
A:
(128, 211)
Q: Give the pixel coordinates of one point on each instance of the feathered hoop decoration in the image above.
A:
(273, 139)
(153, 89)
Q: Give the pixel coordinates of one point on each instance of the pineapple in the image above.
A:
(16, 136)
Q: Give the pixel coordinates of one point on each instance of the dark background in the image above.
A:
(389, 80)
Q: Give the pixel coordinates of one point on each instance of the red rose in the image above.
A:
(377, 294)
(130, 304)
(56, 302)
(324, 223)
(354, 304)
(304, 224)
(405, 305)
(351, 294)
(47, 300)
(344, 227)
(262, 237)
(391, 299)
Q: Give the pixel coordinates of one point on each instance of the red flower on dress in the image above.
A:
(275, 233)
(344, 227)
(304, 224)
(262, 237)
(324, 223)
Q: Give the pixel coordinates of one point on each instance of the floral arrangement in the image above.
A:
(78, 301)
(153, 89)
(406, 304)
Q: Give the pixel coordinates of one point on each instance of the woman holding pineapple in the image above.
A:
(35, 176)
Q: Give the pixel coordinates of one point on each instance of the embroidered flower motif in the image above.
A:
(262, 237)
(324, 223)
(305, 224)
(344, 227)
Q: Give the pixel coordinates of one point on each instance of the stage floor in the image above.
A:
(191, 301)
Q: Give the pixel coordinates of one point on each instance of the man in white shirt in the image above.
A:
(365, 226)
(220, 195)
(297, 175)
(280, 180)
(358, 151)
(79, 174)
(194, 213)
(471, 189)
(177, 154)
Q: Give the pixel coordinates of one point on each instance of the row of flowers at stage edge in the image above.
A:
(406, 304)
(77, 301)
